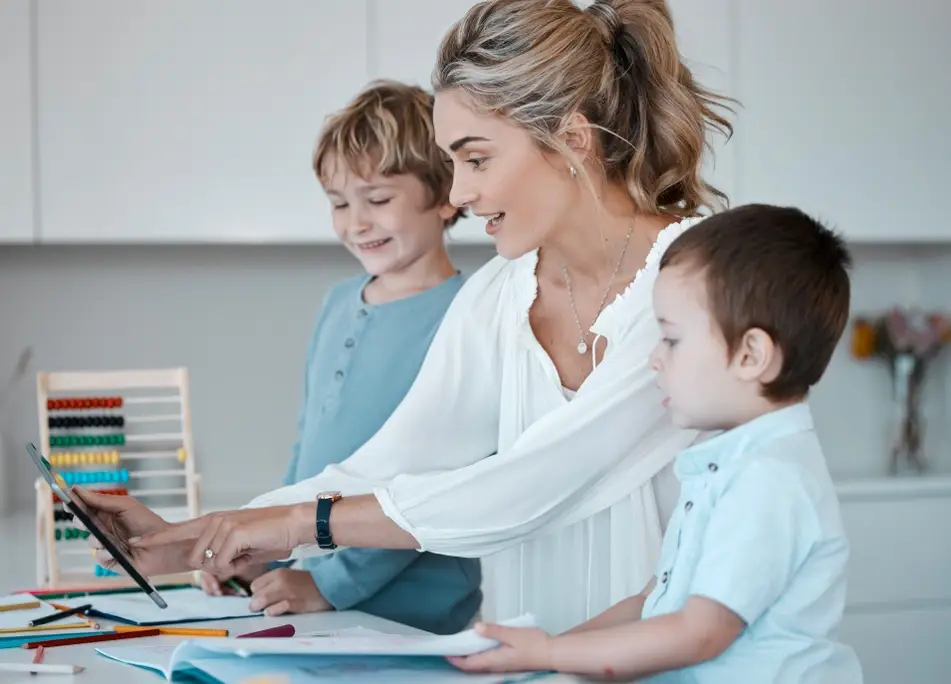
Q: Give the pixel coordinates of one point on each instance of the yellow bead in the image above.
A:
(182, 456)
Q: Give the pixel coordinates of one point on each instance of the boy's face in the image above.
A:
(386, 222)
(692, 362)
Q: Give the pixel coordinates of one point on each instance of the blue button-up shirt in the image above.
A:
(361, 361)
(758, 530)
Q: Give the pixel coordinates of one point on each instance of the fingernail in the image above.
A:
(135, 540)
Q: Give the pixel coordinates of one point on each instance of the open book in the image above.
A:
(350, 652)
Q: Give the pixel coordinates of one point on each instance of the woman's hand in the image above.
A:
(521, 649)
(228, 543)
(122, 518)
(287, 591)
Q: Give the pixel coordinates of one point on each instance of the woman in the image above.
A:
(534, 435)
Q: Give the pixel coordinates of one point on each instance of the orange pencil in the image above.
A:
(176, 631)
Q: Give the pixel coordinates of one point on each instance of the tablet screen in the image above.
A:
(117, 548)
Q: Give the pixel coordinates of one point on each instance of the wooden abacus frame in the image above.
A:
(99, 383)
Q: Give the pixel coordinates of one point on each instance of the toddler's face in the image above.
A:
(385, 221)
(692, 362)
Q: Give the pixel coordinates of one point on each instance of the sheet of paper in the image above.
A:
(219, 659)
(14, 622)
(313, 669)
(184, 605)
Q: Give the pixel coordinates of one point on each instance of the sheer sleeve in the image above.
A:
(580, 458)
(448, 418)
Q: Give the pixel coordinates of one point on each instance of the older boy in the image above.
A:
(388, 185)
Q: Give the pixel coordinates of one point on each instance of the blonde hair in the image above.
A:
(538, 61)
(386, 129)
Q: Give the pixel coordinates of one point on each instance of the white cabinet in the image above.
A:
(190, 120)
(404, 40)
(16, 124)
(845, 113)
(705, 37)
(898, 608)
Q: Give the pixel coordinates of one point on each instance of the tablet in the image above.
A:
(112, 545)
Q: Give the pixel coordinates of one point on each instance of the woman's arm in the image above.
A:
(611, 439)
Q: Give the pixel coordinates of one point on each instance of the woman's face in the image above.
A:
(501, 174)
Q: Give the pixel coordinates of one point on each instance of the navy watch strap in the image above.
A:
(325, 540)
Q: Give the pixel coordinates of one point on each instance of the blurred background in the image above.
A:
(157, 209)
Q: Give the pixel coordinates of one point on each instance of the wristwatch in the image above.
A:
(325, 500)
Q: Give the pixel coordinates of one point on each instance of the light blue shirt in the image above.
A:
(758, 530)
(361, 361)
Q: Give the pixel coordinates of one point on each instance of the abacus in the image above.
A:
(115, 432)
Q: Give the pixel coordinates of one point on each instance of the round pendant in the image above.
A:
(582, 347)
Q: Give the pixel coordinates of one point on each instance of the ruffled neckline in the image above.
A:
(620, 308)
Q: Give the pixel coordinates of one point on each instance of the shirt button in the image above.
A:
(688, 505)
(713, 467)
(663, 578)
(361, 313)
(339, 375)
(349, 343)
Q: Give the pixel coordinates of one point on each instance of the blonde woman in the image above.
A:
(534, 435)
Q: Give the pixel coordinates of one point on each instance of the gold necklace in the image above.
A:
(583, 344)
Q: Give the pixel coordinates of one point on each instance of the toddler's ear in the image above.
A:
(757, 357)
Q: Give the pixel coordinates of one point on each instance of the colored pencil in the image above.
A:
(41, 669)
(176, 631)
(19, 606)
(75, 593)
(280, 631)
(69, 641)
(239, 584)
(60, 615)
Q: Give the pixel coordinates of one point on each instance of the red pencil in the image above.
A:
(69, 641)
(280, 631)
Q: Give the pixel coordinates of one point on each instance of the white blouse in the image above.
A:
(564, 497)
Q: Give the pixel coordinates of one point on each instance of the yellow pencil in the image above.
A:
(176, 631)
(19, 606)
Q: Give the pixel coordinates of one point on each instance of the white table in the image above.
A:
(17, 572)
(102, 670)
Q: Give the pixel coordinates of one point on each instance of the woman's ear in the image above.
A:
(576, 133)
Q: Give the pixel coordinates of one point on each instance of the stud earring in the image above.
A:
(572, 171)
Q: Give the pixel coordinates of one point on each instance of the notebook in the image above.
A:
(349, 653)
(184, 605)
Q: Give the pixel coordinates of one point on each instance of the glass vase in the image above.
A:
(907, 375)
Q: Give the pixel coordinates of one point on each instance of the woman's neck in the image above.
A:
(589, 243)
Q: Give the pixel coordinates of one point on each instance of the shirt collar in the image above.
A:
(713, 453)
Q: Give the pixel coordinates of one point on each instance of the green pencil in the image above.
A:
(100, 592)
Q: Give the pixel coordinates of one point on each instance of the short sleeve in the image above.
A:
(759, 532)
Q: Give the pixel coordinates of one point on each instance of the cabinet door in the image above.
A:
(404, 39)
(845, 113)
(16, 123)
(705, 37)
(190, 120)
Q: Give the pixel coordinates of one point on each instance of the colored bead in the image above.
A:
(182, 455)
